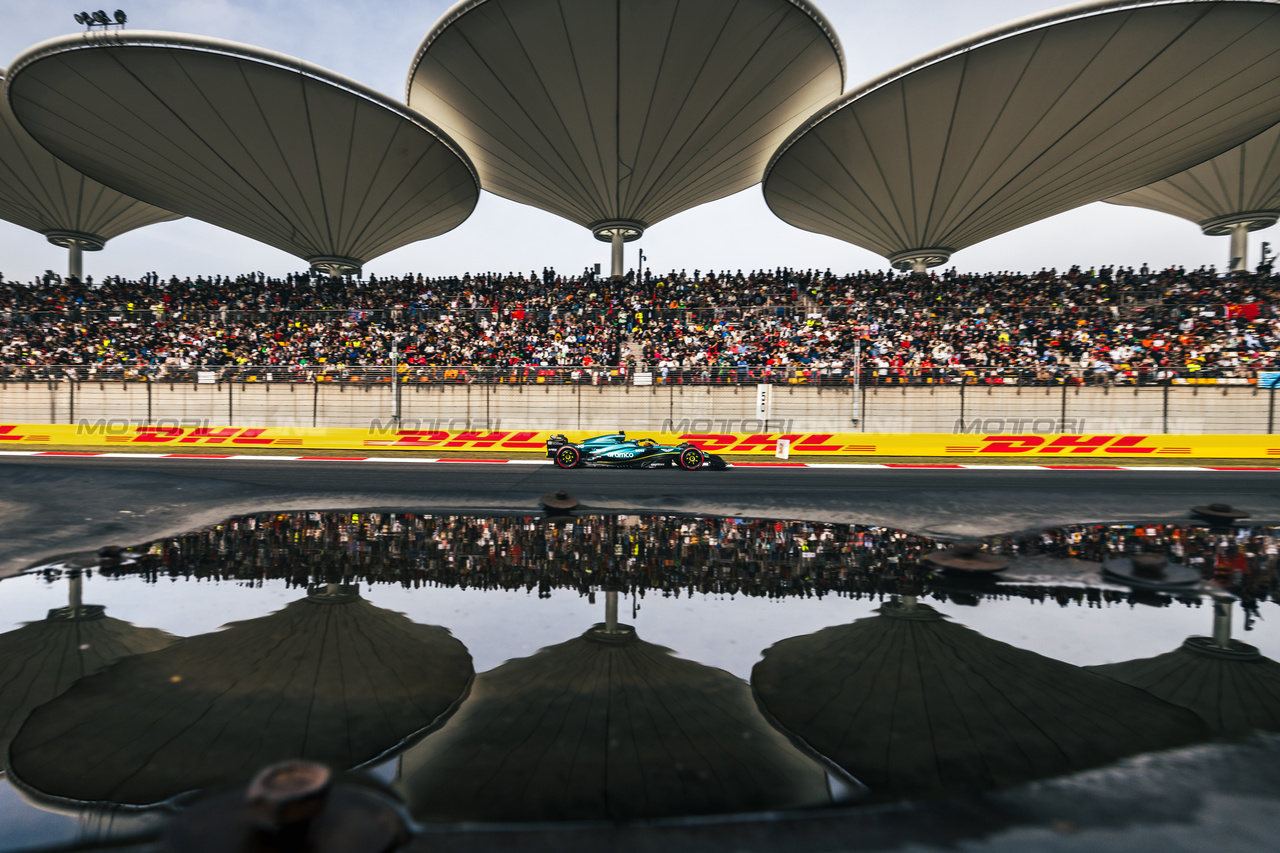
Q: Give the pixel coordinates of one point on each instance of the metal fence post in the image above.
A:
(1271, 410)
(857, 379)
(1165, 408)
(315, 402)
(1062, 418)
(395, 383)
(71, 401)
(149, 383)
(231, 407)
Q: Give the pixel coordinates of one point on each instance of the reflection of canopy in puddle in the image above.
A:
(913, 705)
(1229, 684)
(606, 726)
(41, 660)
(330, 678)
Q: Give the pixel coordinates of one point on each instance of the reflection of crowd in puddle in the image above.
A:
(670, 554)
(635, 554)
(1243, 559)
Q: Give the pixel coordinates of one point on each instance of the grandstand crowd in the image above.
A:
(1106, 325)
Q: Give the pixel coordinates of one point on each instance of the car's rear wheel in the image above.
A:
(691, 459)
(568, 457)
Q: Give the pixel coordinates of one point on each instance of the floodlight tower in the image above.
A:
(101, 19)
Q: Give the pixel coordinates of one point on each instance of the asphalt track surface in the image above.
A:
(625, 484)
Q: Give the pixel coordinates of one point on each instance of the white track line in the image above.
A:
(761, 465)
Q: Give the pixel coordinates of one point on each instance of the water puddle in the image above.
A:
(530, 669)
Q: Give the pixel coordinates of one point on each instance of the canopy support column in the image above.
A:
(1239, 247)
(919, 260)
(616, 232)
(1222, 622)
(76, 243)
(611, 612)
(1237, 226)
(75, 597)
(616, 266)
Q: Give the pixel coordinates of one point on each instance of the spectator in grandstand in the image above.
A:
(1106, 325)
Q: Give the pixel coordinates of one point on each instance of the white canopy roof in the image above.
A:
(624, 111)
(263, 144)
(1029, 120)
(40, 192)
(1240, 185)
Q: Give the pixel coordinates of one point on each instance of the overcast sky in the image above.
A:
(373, 41)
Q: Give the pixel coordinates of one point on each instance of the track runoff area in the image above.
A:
(1039, 452)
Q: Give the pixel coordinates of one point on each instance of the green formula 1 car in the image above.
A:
(618, 451)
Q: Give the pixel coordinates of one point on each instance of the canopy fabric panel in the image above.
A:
(1012, 127)
(625, 110)
(41, 660)
(606, 728)
(915, 706)
(332, 679)
(262, 144)
(40, 192)
(1234, 696)
(1243, 180)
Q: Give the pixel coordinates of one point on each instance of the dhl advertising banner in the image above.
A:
(199, 440)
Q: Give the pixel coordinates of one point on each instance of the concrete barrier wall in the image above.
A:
(1186, 410)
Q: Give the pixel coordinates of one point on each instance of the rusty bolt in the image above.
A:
(288, 793)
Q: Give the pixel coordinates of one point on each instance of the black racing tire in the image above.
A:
(568, 456)
(691, 458)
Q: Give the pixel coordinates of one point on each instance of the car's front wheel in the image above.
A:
(568, 457)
